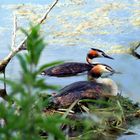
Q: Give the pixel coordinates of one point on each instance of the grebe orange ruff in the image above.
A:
(96, 88)
(74, 68)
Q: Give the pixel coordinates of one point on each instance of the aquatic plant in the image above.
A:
(22, 114)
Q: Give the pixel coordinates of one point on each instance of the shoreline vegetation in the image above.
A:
(27, 113)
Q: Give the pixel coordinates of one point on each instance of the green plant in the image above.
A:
(23, 115)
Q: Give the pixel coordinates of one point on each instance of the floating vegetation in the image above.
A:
(73, 21)
(136, 19)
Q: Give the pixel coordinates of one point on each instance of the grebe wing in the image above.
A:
(80, 86)
(85, 86)
(67, 69)
(77, 91)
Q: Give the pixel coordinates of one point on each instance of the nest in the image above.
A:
(90, 118)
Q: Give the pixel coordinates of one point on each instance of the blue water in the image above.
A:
(25, 1)
(109, 29)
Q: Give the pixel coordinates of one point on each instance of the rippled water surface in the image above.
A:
(72, 28)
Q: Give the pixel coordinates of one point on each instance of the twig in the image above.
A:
(70, 108)
(21, 46)
(48, 11)
(4, 80)
(133, 115)
(133, 51)
(3, 94)
(14, 32)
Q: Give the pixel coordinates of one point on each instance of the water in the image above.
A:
(72, 28)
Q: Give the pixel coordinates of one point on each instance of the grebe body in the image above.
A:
(67, 69)
(86, 90)
(96, 88)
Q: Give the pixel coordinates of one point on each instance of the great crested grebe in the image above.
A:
(74, 68)
(96, 88)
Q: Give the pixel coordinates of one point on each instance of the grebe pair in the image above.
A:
(74, 68)
(96, 88)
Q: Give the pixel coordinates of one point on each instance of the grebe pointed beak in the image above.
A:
(110, 70)
(117, 72)
(107, 56)
(114, 72)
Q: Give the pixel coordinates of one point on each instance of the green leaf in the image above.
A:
(54, 126)
(16, 86)
(23, 63)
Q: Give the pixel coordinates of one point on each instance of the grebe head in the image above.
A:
(93, 53)
(95, 75)
(99, 69)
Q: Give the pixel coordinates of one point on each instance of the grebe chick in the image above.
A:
(94, 89)
(74, 68)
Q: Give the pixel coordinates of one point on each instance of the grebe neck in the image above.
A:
(107, 82)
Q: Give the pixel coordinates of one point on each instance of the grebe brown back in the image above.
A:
(94, 89)
(67, 69)
(74, 68)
